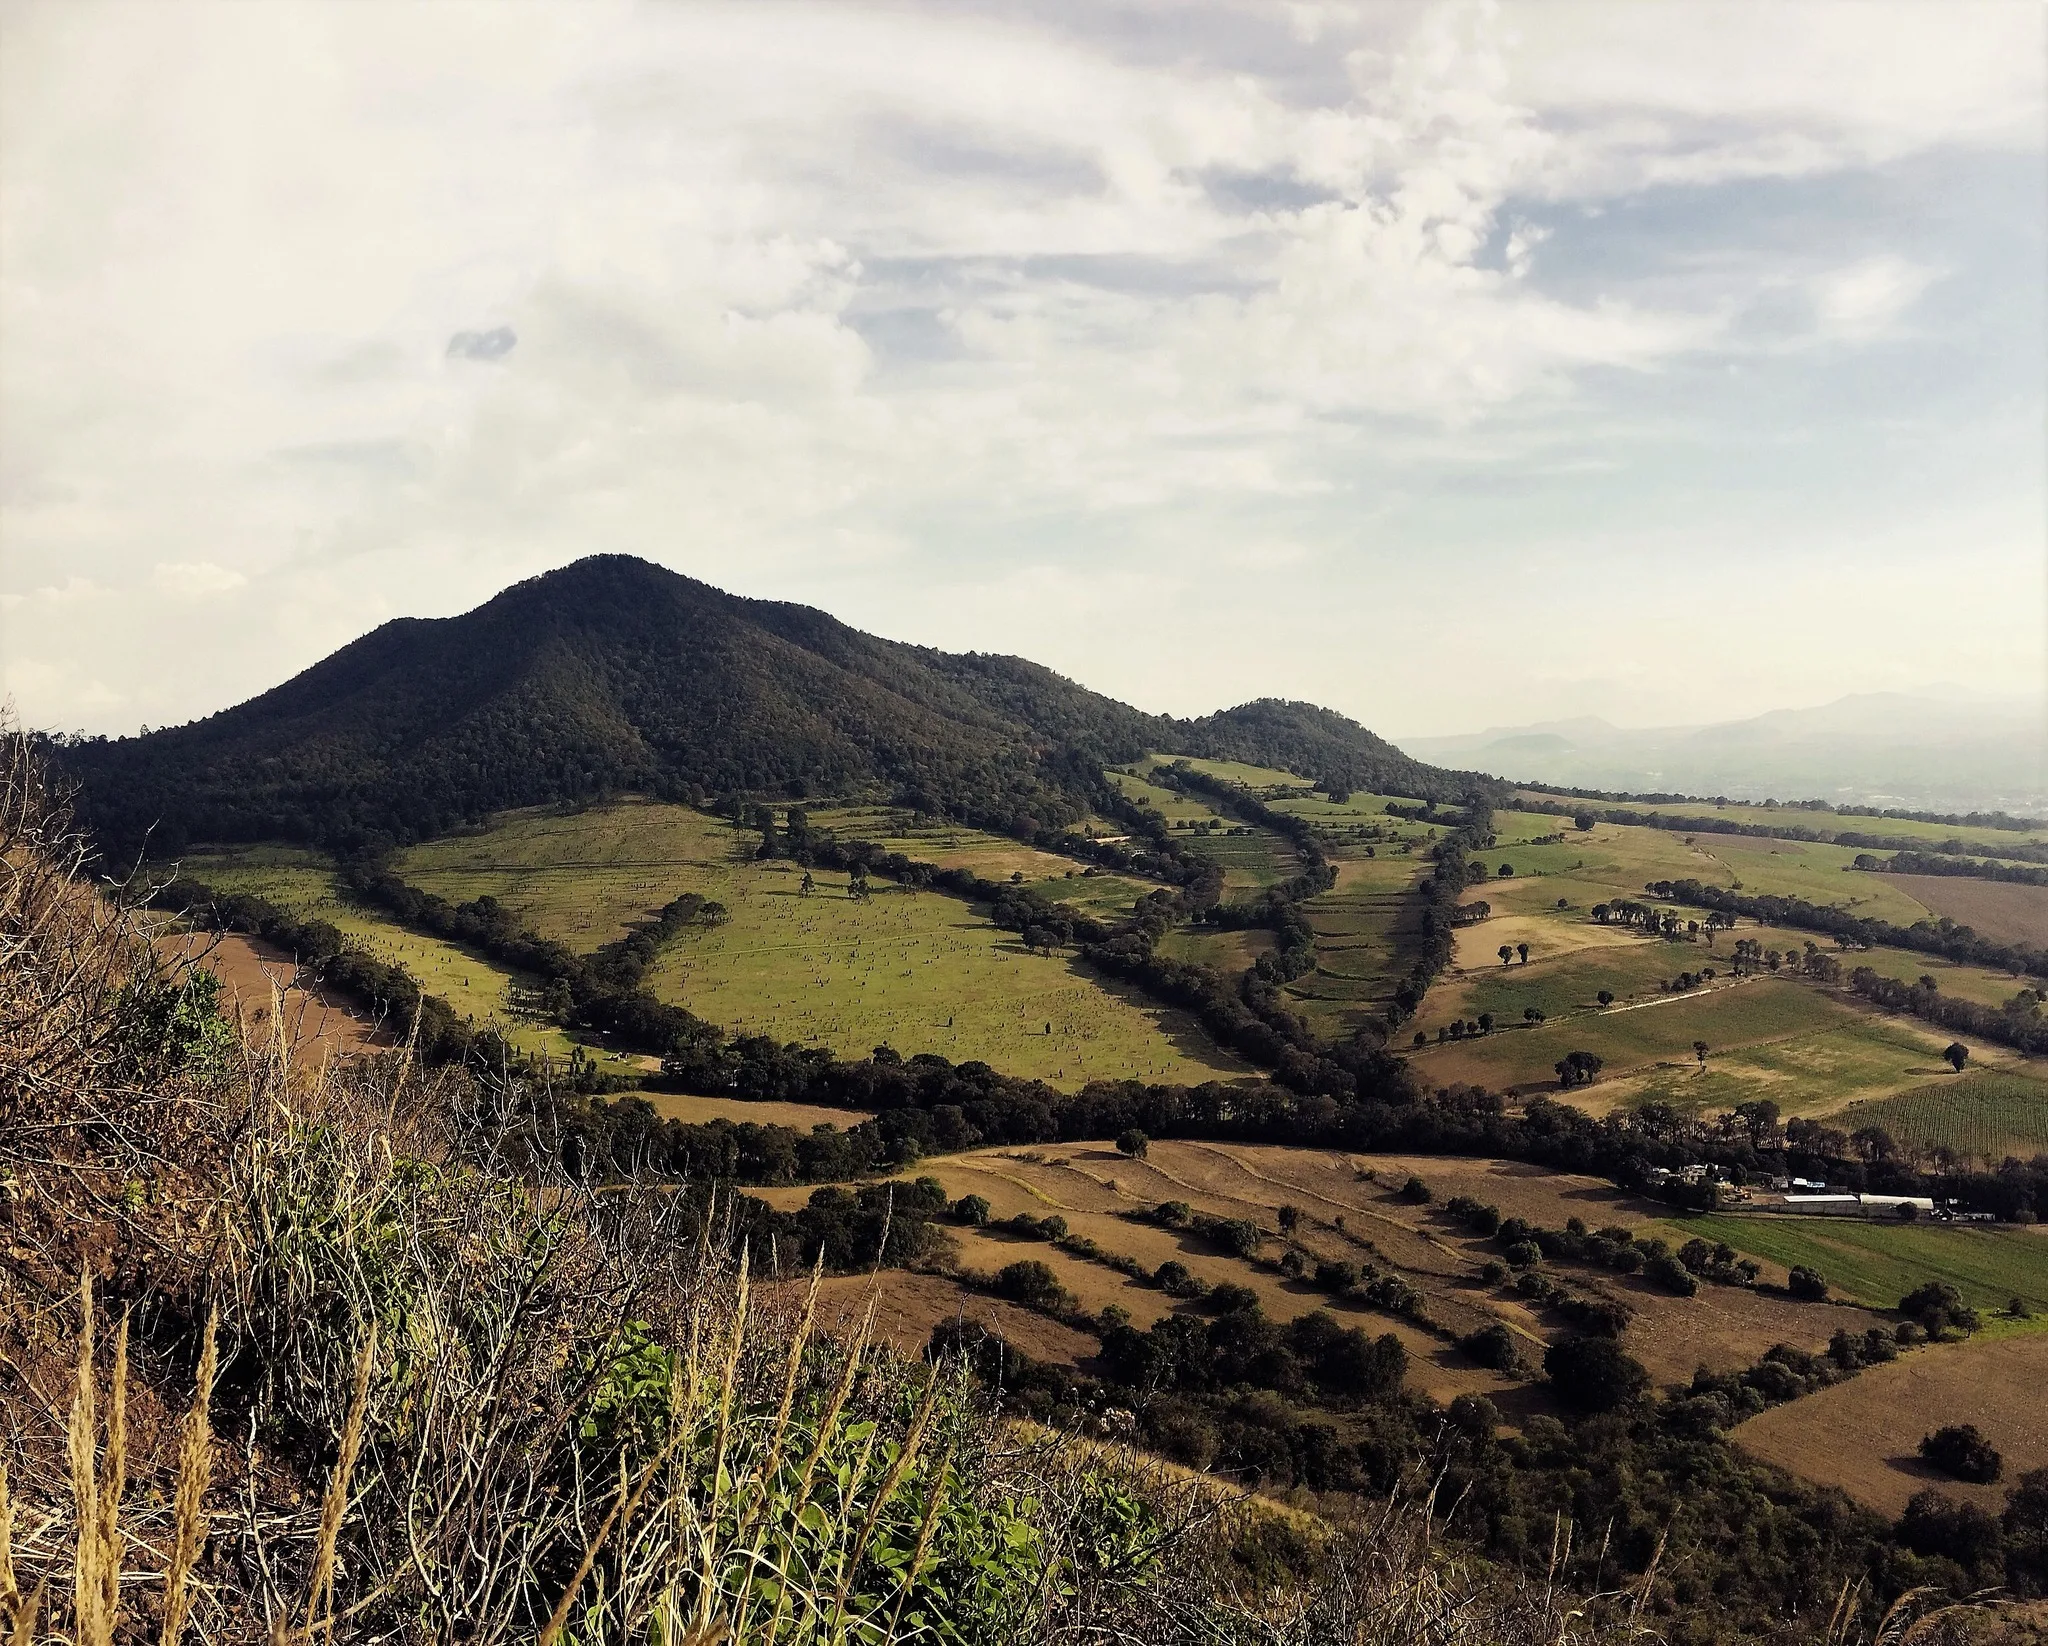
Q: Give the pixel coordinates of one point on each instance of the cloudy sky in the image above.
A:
(1448, 364)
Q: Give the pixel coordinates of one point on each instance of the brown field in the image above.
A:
(910, 1305)
(257, 977)
(2000, 910)
(1093, 1188)
(1476, 948)
(695, 1111)
(1863, 1435)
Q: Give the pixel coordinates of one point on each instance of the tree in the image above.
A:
(1605, 997)
(1593, 1374)
(807, 885)
(973, 1210)
(1957, 1055)
(1578, 1068)
(1506, 952)
(1699, 1050)
(1522, 949)
(1583, 822)
(1031, 1283)
(1808, 1285)
(1133, 1143)
(1507, 871)
(1290, 1218)
(1532, 1014)
(1937, 1307)
(1962, 1451)
(1415, 1192)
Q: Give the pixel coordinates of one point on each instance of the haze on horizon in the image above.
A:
(1451, 365)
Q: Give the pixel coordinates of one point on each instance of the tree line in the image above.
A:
(2018, 850)
(1943, 937)
(1968, 867)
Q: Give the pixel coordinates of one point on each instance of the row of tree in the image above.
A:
(2019, 850)
(1943, 937)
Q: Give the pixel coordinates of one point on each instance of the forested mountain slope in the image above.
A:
(614, 673)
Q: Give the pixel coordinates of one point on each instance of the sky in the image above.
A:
(1450, 365)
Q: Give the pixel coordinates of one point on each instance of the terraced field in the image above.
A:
(1351, 1210)
(1367, 928)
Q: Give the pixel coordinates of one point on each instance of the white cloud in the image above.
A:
(368, 306)
(1867, 298)
(194, 579)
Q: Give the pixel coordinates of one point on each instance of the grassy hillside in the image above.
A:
(919, 971)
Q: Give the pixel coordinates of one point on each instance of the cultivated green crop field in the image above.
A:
(301, 882)
(1879, 1263)
(1985, 1116)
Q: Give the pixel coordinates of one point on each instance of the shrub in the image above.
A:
(1336, 1277)
(1938, 1307)
(1593, 1374)
(1227, 1298)
(1523, 1253)
(1031, 1283)
(1666, 1271)
(1492, 1272)
(1809, 1285)
(1415, 1192)
(1493, 1346)
(1962, 1451)
(1176, 1280)
(973, 1210)
(1175, 1214)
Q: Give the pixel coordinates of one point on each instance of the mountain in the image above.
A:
(614, 674)
(1940, 751)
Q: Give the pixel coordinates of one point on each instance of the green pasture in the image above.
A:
(1791, 817)
(1171, 804)
(1877, 1263)
(1982, 1115)
(1819, 874)
(1569, 982)
(1229, 952)
(919, 971)
(476, 988)
(1987, 988)
(1626, 1038)
(1817, 1073)
(1235, 771)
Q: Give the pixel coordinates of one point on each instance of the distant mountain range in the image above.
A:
(1932, 751)
(615, 674)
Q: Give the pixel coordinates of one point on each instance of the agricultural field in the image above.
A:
(919, 971)
(1987, 988)
(1819, 874)
(1351, 1210)
(2004, 911)
(1229, 952)
(693, 1110)
(1366, 931)
(1630, 1038)
(1171, 804)
(1878, 1263)
(1827, 1072)
(475, 988)
(1980, 1116)
(1864, 1435)
(1793, 817)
